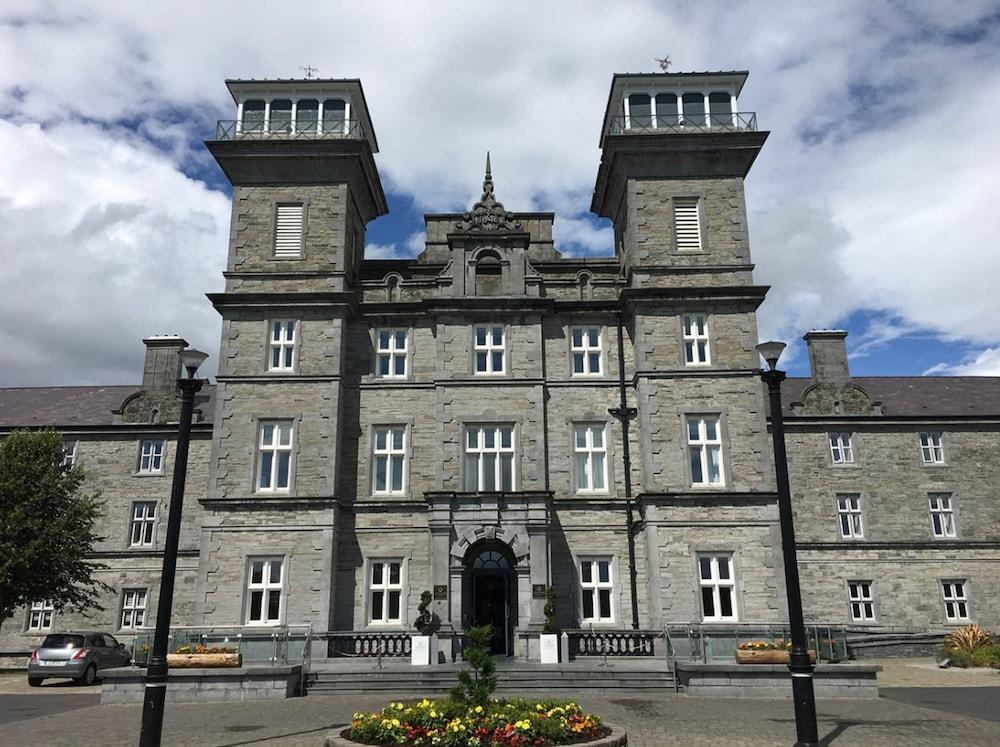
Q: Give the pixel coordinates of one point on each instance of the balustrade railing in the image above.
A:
(234, 129)
(646, 124)
(368, 645)
(613, 642)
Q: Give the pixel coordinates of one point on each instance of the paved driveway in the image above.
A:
(652, 720)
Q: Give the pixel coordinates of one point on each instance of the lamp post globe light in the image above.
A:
(799, 664)
(155, 693)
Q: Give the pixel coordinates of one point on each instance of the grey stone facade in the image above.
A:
(330, 526)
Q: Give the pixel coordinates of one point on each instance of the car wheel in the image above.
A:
(35, 681)
(89, 676)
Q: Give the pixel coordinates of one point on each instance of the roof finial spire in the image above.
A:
(488, 179)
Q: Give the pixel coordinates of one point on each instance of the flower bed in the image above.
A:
(506, 723)
(971, 646)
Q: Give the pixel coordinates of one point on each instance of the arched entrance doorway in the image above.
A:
(492, 591)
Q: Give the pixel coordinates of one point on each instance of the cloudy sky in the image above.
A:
(872, 207)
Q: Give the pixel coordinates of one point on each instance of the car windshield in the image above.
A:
(63, 641)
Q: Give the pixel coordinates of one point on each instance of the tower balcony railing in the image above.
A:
(646, 124)
(341, 129)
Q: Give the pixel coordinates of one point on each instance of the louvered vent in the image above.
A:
(288, 231)
(687, 224)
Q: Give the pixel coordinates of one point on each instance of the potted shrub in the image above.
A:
(549, 639)
(420, 644)
(767, 652)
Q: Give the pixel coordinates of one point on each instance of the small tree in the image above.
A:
(476, 685)
(549, 610)
(424, 619)
(46, 527)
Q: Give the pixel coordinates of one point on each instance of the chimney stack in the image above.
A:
(828, 357)
(163, 363)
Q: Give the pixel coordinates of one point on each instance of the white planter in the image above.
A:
(420, 650)
(549, 648)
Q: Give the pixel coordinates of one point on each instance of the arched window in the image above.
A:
(666, 110)
(281, 115)
(253, 115)
(694, 109)
(307, 115)
(640, 112)
(334, 116)
(490, 560)
(720, 109)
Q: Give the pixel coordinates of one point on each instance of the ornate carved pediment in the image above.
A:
(488, 214)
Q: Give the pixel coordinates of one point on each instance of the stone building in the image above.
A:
(383, 427)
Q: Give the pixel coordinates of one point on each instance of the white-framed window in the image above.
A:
(265, 591)
(151, 456)
(390, 353)
(861, 600)
(704, 439)
(133, 612)
(931, 447)
(69, 454)
(596, 591)
(288, 227)
(40, 616)
(489, 457)
(849, 513)
(489, 350)
(274, 456)
(142, 525)
(841, 450)
(281, 345)
(389, 460)
(717, 580)
(585, 348)
(694, 329)
(942, 515)
(590, 457)
(687, 224)
(385, 585)
(956, 602)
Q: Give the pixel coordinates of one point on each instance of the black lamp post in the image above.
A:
(799, 664)
(156, 674)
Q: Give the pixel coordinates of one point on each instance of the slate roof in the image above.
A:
(917, 396)
(75, 406)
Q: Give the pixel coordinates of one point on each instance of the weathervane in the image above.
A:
(309, 70)
(664, 63)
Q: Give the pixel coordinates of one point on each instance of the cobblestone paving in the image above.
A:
(652, 720)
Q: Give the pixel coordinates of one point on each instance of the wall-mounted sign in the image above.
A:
(440, 591)
(538, 591)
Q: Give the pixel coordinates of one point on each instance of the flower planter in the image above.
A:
(764, 656)
(420, 650)
(192, 661)
(548, 648)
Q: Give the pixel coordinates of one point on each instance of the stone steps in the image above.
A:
(512, 679)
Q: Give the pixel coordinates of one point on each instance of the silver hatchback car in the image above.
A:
(78, 656)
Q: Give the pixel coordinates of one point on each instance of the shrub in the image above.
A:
(971, 646)
(968, 638)
(476, 685)
(424, 620)
(549, 610)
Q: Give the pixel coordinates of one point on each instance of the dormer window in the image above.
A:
(640, 111)
(281, 115)
(694, 109)
(253, 115)
(720, 109)
(306, 115)
(335, 116)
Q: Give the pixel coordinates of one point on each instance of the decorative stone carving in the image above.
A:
(488, 214)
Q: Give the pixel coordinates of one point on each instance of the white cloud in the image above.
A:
(983, 363)
(873, 192)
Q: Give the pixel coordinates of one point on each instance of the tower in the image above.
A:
(299, 155)
(675, 152)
